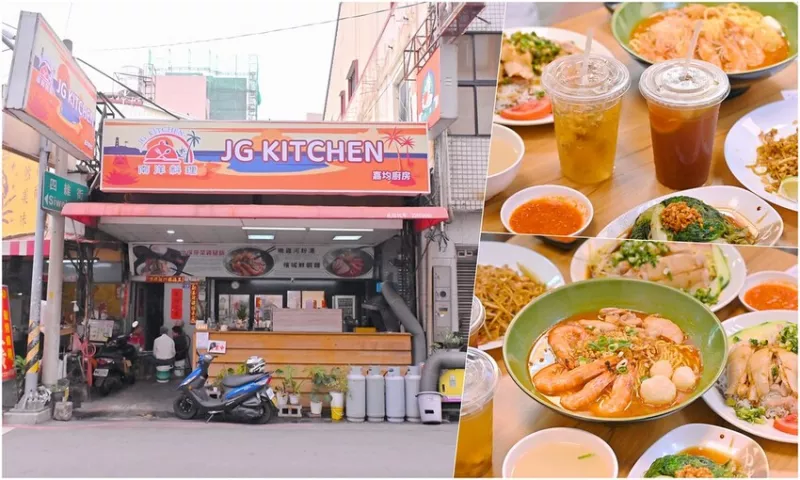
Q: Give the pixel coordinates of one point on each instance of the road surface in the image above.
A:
(172, 448)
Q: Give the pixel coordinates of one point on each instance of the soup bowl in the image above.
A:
(501, 180)
(699, 324)
(628, 14)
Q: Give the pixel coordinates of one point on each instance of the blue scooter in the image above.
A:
(246, 397)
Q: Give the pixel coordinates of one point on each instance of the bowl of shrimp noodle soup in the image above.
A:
(615, 350)
(748, 41)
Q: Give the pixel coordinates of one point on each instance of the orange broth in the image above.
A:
(547, 216)
(772, 296)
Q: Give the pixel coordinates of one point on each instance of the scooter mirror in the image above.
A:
(134, 325)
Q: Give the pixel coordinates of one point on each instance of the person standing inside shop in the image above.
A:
(181, 343)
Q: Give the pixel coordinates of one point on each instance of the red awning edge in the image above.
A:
(89, 213)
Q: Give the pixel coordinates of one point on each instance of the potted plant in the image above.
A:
(290, 384)
(283, 398)
(319, 380)
(241, 314)
(338, 389)
(453, 342)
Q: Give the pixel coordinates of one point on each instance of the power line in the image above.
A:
(253, 34)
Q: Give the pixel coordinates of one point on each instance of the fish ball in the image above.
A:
(684, 378)
(661, 367)
(658, 390)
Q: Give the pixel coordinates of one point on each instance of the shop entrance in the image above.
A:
(150, 310)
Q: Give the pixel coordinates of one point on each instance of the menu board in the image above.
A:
(156, 262)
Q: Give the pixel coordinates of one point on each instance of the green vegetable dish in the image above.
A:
(687, 219)
(699, 270)
(684, 465)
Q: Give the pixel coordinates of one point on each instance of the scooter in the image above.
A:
(116, 364)
(247, 397)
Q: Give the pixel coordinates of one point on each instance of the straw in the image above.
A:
(698, 25)
(586, 49)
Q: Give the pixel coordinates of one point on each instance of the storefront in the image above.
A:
(300, 281)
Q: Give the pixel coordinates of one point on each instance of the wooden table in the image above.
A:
(516, 415)
(634, 180)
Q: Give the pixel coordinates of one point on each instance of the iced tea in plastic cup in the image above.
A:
(586, 112)
(684, 108)
(474, 447)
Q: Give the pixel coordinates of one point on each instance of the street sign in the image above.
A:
(59, 191)
(8, 340)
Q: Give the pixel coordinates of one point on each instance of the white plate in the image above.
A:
(757, 211)
(559, 35)
(500, 254)
(580, 265)
(743, 449)
(742, 142)
(715, 399)
(764, 277)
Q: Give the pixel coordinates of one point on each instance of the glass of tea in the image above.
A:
(586, 111)
(683, 100)
(476, 321)
(474, 447)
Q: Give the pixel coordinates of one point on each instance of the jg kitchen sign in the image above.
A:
(59, 191)
(48, 90)
(261, 157)
(158, 262)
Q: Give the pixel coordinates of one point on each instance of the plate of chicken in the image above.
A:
(520, 99)
(757, 392)
(711, 273)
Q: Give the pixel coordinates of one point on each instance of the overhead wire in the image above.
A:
(253, 34)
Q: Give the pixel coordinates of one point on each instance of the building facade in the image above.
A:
(378, 52)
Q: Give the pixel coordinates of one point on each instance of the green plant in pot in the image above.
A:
(242, 313)
(320, 381)
(290, 384)
(452, 342)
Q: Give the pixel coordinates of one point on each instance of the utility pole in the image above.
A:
(55, 279)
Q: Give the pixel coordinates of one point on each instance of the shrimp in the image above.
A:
(706, 51)
(618, 315)
(554, 379)
(589, 393)
(597, 325)
(563, 340)
(620, 398)
(655, 326)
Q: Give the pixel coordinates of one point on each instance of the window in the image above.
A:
(406, 97)
(352, 79)
(342, 105)
(478, 54)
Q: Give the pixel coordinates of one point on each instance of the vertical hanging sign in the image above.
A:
(8, 340)
(176, 304)
(193, 291)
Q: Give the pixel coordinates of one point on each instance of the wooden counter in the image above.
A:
(305, 350)
(517, 415)
(634, 180)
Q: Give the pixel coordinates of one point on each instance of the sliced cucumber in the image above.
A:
(723, 277)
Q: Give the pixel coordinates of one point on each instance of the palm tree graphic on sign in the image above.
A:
(394, 138)
(193, 140)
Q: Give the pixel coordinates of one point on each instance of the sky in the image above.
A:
(293, 65)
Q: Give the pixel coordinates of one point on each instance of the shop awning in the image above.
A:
(226, 223)
(24, 246)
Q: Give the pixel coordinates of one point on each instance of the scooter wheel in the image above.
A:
(267, 413)
(184, 408)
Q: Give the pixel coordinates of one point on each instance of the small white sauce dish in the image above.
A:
(759, 278)
(500, 181)
(540, 191)
(592, 443)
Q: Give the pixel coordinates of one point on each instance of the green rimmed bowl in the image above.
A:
(627, 15)
(697, 321)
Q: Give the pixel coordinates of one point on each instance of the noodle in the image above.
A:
(503, 293)
(734, 37)
(775, 159)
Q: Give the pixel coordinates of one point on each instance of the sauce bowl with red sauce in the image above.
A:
(769, 290)
(547, 210)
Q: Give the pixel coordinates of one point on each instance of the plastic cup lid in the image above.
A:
(480, 380)
(607, 79)
(672, 85)
(478, 316)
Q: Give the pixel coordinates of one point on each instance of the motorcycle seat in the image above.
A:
(232, 381)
